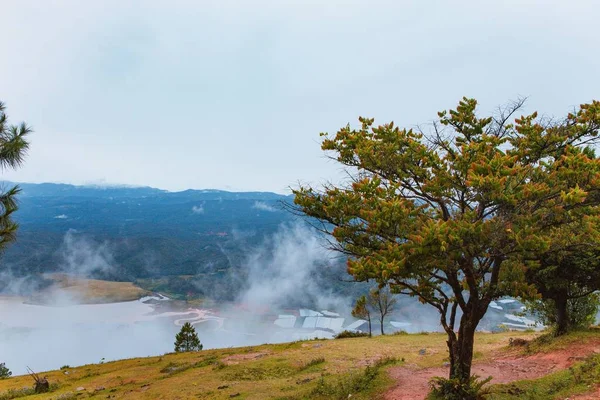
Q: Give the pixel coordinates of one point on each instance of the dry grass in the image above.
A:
(260, 372)
(87, 291)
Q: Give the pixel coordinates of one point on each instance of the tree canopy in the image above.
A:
(456, 214)
(187, 339)
(361, 310)
(566, 281)
(13, 148)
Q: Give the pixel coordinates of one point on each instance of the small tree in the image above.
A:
(361, 310)
(4, 371)
(566, 281)
(187, 339)
(383, 302)
(575, 313)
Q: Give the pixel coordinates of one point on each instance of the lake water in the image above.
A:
(44, 337)
(48, 337)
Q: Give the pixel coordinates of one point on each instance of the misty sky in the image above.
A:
(233, 94)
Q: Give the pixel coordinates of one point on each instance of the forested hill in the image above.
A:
(125, 233)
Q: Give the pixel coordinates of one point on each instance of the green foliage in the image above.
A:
(4, 371)
(173, 368)
(581, 311)
(312, 363)
(566, 281)
(259, 373)
(350, 334)
(187, 339)
(455, 389)
(352, 384)
(456, 216)
(361, 310)
(23, 392)
(13, 147)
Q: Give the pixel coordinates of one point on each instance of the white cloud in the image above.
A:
(267, 72)
(261, 205)
(61, 216)
(284, 268)
(198, 209)
(83, 256)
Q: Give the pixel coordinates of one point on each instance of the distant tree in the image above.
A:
(383, 302)
(187, 339)
(361, 311)
(457, 214)
(13, 148)
(4, 371)
(567, 281)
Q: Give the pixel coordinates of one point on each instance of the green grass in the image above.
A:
(319, 369)
(548, 342)
(360, 385)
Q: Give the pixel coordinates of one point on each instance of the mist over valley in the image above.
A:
(104, 273)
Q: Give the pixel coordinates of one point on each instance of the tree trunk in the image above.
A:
(461, 355)
(370, 333)
(461, 348)
(383, 333)
(562, 315)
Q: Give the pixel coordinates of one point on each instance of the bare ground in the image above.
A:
(413, 383)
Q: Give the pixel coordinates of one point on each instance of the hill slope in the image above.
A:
(322, 370)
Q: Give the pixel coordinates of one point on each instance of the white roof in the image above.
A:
(356, 324)
(285, 321)
(330, 313)
(323, 323)
(522, 320)
(304, 312)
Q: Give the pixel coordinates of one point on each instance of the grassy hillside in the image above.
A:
(298, 370)
(322, 369)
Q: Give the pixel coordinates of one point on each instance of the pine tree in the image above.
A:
(13, 148)
(187, 339)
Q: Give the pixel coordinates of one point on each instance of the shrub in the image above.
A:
(517, 342)
(4, 371)
(581, 311)
(312, 363)
(351, 384)
(24, 392)
(350, 334)
(453, 389)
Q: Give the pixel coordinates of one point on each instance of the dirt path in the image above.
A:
(594, 395)
(412, 383)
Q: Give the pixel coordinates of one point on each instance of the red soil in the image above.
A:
(412, 383)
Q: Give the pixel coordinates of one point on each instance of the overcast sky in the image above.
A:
(233, 94)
